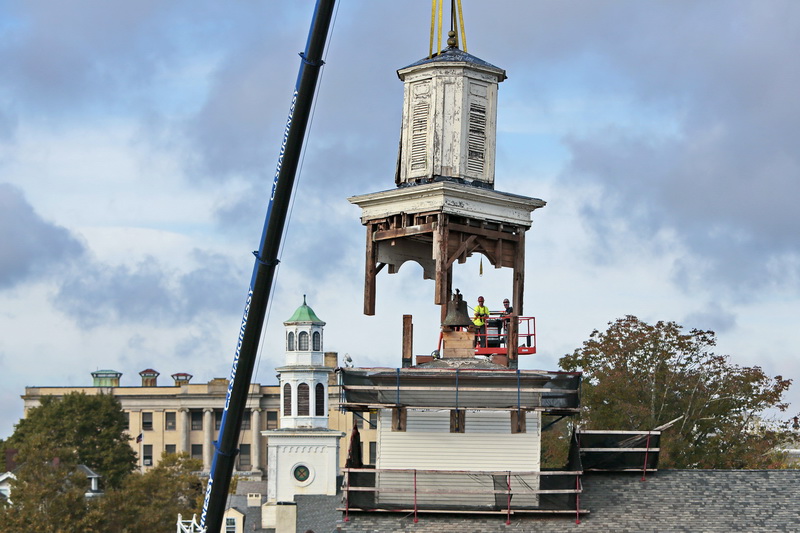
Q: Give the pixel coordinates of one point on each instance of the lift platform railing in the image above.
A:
(494, 340)
(503, 492)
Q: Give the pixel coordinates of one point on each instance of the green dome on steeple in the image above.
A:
(304, 314)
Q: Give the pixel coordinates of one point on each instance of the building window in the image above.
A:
(147, 455)
(319, 398)
(244, 457)
(230, 525)
(301, 473)
(316, 342)
(170, 448)
(373, 452)
(302, 341)
(217, 419)
(272, 419)
(303, 399)
(290, 341)
(147, 421)
(169, 421)
(287, 400)
(197, 419)
(197, 451)
(127, 422)
(457, 419)
(373, 419)
(246, 419)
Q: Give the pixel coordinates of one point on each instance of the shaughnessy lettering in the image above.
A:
(283, 145)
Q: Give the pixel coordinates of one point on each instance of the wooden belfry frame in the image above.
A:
(438, 239)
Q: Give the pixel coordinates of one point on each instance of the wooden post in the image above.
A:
(512, 341)
(519, 275)
(370, 273)
(440, 238)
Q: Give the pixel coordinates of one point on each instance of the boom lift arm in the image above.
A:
(264, 270)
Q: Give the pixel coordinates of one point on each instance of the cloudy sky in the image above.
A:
(138, 140)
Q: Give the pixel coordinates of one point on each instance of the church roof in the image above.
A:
(454, 55)
(304, 314)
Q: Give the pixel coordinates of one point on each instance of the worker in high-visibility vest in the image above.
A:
(479, 320)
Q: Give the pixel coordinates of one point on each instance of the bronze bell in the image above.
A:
(457, 315)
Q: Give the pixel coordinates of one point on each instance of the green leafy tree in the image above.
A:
(640, 376)
(3, 447)
(152, 501)
(48, 493)
(90, 427)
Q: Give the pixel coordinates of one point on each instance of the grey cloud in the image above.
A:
(713, 317)
(148, 293)
(32, 247)
(67, 57)
(726, 181)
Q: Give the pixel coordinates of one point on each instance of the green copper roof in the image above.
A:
(304, 314)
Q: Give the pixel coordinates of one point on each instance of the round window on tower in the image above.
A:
(302, 474)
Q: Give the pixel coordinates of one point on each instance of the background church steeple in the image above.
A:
(304, 377)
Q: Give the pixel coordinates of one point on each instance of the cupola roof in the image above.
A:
(454, 55)
(304, 314)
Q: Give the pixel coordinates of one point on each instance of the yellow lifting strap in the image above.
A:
(461, 26)
(437, 7)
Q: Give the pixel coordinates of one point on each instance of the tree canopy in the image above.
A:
(89, 428)
(48, 496)
(640, 376)
(152, 501)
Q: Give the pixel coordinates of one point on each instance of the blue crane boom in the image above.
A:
(264, 270)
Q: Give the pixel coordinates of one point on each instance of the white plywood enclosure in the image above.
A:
(487, 445)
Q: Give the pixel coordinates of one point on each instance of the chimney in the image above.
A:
(106, 378)
(181, 378)
(149, 377)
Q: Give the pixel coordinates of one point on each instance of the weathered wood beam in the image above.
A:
(440, 240)
(519, 276)
(408, 231)
(462, 249)
(490, 233)
(370, 273)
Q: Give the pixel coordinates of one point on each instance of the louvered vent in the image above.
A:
(302, 399)
(419, 135)
(287, 400)
(477, 138)
(319, 400)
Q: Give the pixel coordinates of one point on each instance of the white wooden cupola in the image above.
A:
(449, 120)
(304, 378)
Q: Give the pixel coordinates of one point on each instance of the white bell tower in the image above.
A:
(304, 378)
(303, 454)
